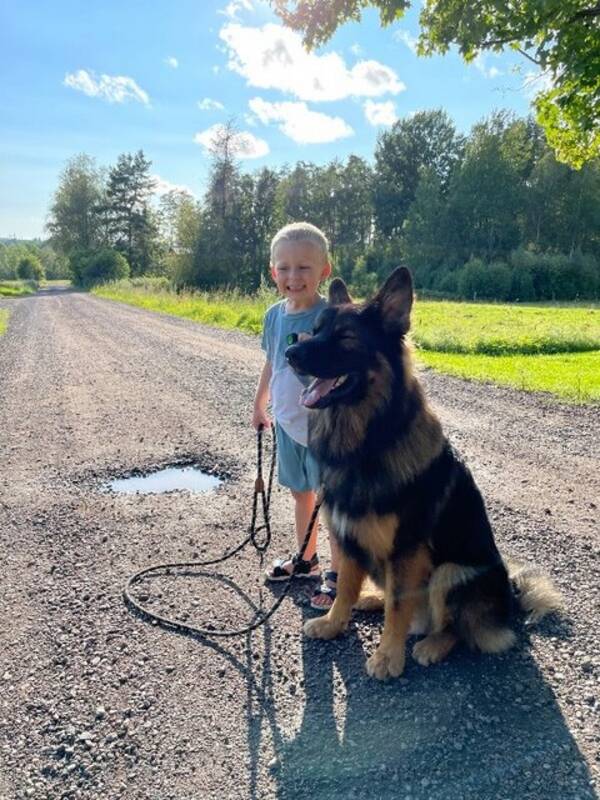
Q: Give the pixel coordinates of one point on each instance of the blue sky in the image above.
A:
(106, 78)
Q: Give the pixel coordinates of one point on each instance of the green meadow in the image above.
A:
(549, 348)
(15, 289)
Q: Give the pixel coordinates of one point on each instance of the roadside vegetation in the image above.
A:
(17, 288)
(545, 348)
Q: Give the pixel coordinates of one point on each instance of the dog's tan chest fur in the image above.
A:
(373, 533)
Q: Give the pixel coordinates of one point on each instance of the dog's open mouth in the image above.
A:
(323, 391)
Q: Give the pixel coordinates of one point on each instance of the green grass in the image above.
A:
(490, 329)
(15, 289)
(222, 309)
(574, 377)
(3, 320)
(548, 348)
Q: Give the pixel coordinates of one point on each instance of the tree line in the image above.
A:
(488, 215)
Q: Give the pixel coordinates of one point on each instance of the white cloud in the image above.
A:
(356, 49)
(408, 39)
(299, 123)
(232, 9)
(273, 57)
(244, 145)
(380, 113)
(114, 88)
(479, 62)
(163, 186)
(171, 61)
(208, 104)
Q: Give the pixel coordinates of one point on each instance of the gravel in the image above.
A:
(96, 703)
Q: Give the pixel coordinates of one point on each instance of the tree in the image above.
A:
(487, 195)
(428, 139)
(562, 37)
(424, 238)
(131, 223)
(30, 268)
(73, 222)
(563, 207)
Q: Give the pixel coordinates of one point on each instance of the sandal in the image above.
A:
(282, 569)
(327, 590)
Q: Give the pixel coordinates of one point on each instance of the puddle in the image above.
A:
(170, 479)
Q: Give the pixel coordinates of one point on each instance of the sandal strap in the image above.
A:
(324, 589)
(302, 566)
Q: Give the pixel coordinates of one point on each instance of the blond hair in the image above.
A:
(301, 232)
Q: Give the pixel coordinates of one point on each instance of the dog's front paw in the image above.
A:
(386, 663)
(323, 628)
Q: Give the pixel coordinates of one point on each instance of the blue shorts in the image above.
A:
(296, 467)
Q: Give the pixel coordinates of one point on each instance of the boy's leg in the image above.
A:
(304, 506)
(323, 598)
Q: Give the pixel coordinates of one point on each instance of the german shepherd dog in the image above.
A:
(403, 507)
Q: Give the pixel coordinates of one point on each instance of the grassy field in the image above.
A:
(223, 309)
(15, 289)
(3, 320)
(550, 348)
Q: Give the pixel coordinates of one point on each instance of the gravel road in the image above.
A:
(95, 703)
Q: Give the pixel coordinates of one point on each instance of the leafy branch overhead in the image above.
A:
(562, 37)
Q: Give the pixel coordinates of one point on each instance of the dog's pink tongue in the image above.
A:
(317, 389)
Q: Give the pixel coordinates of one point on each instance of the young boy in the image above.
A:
(299, 262)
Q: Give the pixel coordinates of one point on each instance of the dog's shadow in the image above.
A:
(473, 727)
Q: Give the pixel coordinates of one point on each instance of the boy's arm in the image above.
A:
(261, 398)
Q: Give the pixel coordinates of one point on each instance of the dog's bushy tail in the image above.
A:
(534, 591)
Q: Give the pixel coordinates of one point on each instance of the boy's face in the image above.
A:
(298, 269)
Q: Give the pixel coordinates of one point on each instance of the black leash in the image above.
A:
(259, 490)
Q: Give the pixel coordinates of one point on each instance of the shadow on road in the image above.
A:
(475, 727)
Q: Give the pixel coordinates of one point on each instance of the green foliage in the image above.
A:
(362, 282)
(426, 143)
(562, 37)
(131, 224)
(29, 268)
(74, 222)
(18, 288)
(433, 200)
(102, 266)
(226, 309)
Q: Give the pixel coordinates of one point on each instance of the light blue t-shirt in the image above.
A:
(286, 387)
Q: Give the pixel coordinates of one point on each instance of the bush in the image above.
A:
(29, 268)
(472, 279)
(100, 266)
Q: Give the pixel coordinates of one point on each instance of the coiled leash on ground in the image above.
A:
(261, 547)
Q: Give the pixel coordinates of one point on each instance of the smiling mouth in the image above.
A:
(323, 390)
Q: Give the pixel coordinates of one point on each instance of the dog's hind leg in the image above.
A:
(371, 597)
(434, 648)
(349, 582)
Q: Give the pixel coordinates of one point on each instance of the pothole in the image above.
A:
(169, 479)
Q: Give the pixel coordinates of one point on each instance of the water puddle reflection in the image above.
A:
(170, 479)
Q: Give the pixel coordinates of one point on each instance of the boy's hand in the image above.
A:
(260, 417)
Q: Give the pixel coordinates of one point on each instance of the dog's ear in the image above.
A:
(338, 293)
(395, 299)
